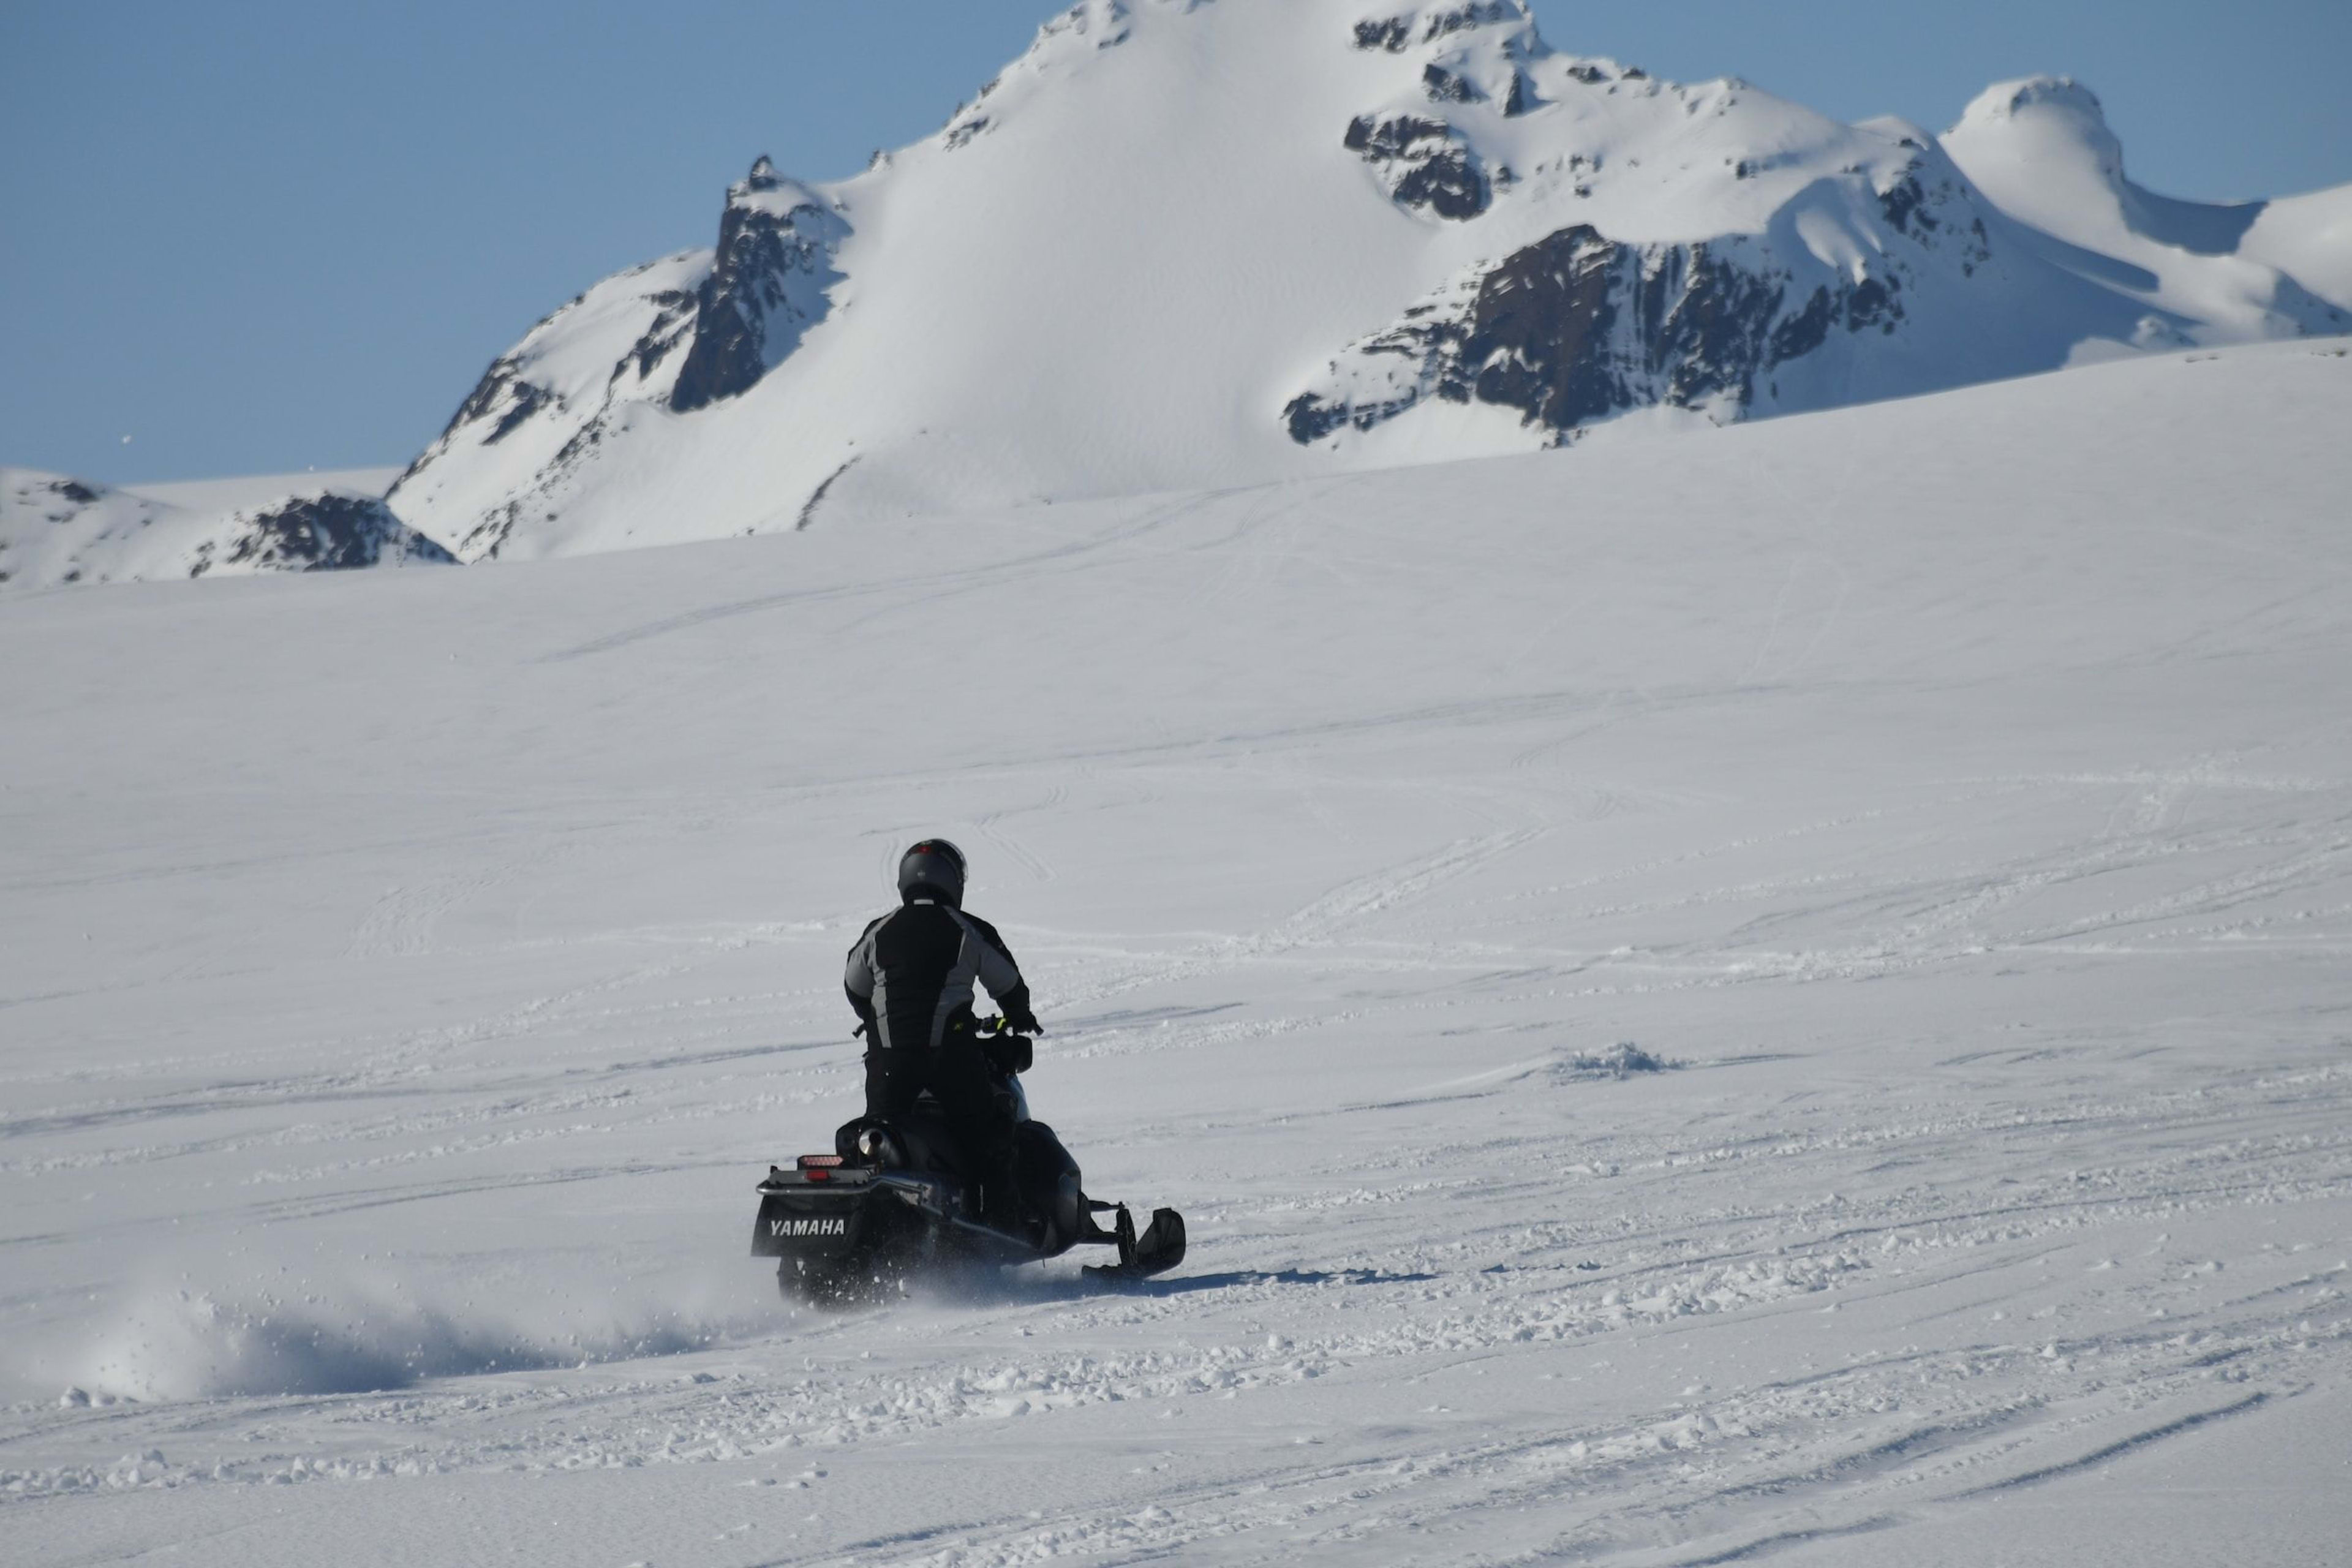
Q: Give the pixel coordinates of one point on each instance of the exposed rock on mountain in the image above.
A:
(680, 334)
(56, 531)
(1571, 329)
(1423, 163)
(1577, 327)
(767, 285)
(316, 533)
(544, 404)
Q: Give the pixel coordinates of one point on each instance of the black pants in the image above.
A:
(978, 1115)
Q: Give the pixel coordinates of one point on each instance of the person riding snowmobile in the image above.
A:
(910, 978)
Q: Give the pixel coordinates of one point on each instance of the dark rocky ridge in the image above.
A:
(1449, 87)
(674, 318)
(1424, 164)
(767, 282)
(320, 533)
(504, 393)
(1577, 327)
(746, 294)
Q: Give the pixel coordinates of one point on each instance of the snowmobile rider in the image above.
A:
(911, 977)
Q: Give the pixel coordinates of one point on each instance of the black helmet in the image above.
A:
(934, 867)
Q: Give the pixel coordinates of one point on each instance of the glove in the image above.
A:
(1019, 1018)
(1010, 1054)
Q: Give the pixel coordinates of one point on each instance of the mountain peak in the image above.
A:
(762, 176)
(2004, 99)
(2055, 109)
(1396, 31)
(2041, 148)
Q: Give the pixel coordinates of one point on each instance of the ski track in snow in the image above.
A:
(1782, 1107)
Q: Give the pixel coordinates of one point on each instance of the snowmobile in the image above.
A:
(896, 1199)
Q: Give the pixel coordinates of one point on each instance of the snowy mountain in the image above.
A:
(1179, 244)
(2041, 150)
(55, 532)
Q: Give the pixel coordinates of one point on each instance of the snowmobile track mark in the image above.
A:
(899, 589)
(1318, 921)
(2121, 1447)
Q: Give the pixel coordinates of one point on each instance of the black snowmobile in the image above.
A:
(896, 1198)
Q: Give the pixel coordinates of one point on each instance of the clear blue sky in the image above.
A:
(257, 235)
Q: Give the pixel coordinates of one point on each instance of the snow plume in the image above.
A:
(170, 1343)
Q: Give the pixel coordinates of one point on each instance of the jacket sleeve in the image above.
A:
(857, 978)
(1001, 975)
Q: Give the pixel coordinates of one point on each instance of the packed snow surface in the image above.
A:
(1774, 994)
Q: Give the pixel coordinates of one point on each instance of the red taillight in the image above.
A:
(816, 1162)
(816, 1173)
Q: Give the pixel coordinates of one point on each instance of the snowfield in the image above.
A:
(1778, 994)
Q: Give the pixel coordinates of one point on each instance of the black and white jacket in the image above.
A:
(912, 973)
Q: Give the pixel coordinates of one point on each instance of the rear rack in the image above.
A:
(817, 1171)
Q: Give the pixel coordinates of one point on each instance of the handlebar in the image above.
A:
(1011, 1051)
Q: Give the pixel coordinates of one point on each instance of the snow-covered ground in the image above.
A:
(1774, 993)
